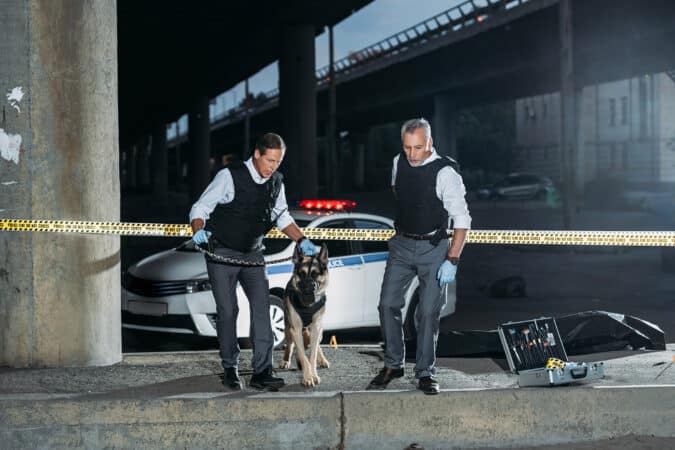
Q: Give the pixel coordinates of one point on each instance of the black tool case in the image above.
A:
(530, 343)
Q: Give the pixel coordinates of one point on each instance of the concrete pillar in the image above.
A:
(247, 151)
(132, 178)
(160, 164)
(200, 148)
(297, 104)
(569, 104)
(60, 293)
(334, 174)
(444, 126)
(358, 140)
(143, 162)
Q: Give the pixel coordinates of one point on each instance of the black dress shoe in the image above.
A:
(384, 377)
(231, 379)
(428, 385)
(266, 380)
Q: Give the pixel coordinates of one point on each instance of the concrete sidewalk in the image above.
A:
(175, 400)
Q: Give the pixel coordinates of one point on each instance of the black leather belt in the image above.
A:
(417, 237)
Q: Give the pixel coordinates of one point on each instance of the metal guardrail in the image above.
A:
(466, 14)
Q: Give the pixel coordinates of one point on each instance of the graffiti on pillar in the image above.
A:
(10, 146)
(14, 98)
(8, 183)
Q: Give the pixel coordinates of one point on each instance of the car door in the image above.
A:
(344, 303)
(374, 254)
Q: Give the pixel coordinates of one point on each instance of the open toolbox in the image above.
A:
(535, 351)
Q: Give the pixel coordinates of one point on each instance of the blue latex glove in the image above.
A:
(446, 273)
(201, 236)
(308, 249)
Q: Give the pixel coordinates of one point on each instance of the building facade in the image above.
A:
(627, 132)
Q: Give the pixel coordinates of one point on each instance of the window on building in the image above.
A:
(612, 112)
(612, 156)
(624, 110)
(642, 102)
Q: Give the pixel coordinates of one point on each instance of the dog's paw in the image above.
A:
(284, 364)
(324, 364)
(308, 381)
(316, 379)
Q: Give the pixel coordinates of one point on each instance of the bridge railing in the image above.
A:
(466, 14)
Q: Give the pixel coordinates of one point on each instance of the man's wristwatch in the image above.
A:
(453, 260)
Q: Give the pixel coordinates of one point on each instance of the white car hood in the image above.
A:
(171, 265)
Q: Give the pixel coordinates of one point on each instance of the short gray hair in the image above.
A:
(413, 124)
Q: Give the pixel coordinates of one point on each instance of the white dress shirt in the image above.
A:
(449, 189)
(221, 190)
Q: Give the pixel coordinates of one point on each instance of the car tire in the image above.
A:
(410, 324)
(277, 319)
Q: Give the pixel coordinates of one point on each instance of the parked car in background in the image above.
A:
(170, 291)
(518, 186)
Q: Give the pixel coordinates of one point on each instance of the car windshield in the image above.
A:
(273, 246)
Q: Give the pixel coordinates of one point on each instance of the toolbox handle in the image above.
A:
(579, 372)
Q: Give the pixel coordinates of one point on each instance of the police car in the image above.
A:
(170, 291)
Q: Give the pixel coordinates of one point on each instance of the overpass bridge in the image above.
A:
(480, 52)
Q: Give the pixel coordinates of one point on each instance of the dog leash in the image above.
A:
(231, 261)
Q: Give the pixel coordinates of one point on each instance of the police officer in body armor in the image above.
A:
(430, 197)
(236, 210)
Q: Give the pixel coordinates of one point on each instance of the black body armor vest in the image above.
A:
(240, 224)
(419, 210)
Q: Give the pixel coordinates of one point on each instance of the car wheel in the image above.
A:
(277, 319)
(410, 323)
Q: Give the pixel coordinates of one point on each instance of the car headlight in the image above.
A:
(197, 286)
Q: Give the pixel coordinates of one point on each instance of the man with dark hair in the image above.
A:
(236, 210)
(429, 196)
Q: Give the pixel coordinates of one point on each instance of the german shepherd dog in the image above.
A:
(305, 300)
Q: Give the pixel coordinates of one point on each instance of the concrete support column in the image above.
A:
(60, 293)
(444, 127)
(199, 137)
(132, 180)
(358, 140)
(160, 164)
(569, 104)
(297, 104)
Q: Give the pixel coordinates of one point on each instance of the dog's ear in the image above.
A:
(297, 255)
(323, 255)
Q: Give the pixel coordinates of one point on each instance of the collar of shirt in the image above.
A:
(433, 157)
(254, 173)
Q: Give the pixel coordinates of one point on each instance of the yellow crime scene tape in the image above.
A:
(524, 237)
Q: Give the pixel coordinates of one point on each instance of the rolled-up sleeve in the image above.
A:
(451, 191)
(220, 190)
(280, 211)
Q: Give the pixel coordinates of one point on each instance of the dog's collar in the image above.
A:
(306, 313)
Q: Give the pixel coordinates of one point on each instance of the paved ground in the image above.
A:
(157, 375)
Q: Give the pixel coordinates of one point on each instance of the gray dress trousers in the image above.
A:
(409, 258)
(254, 282)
